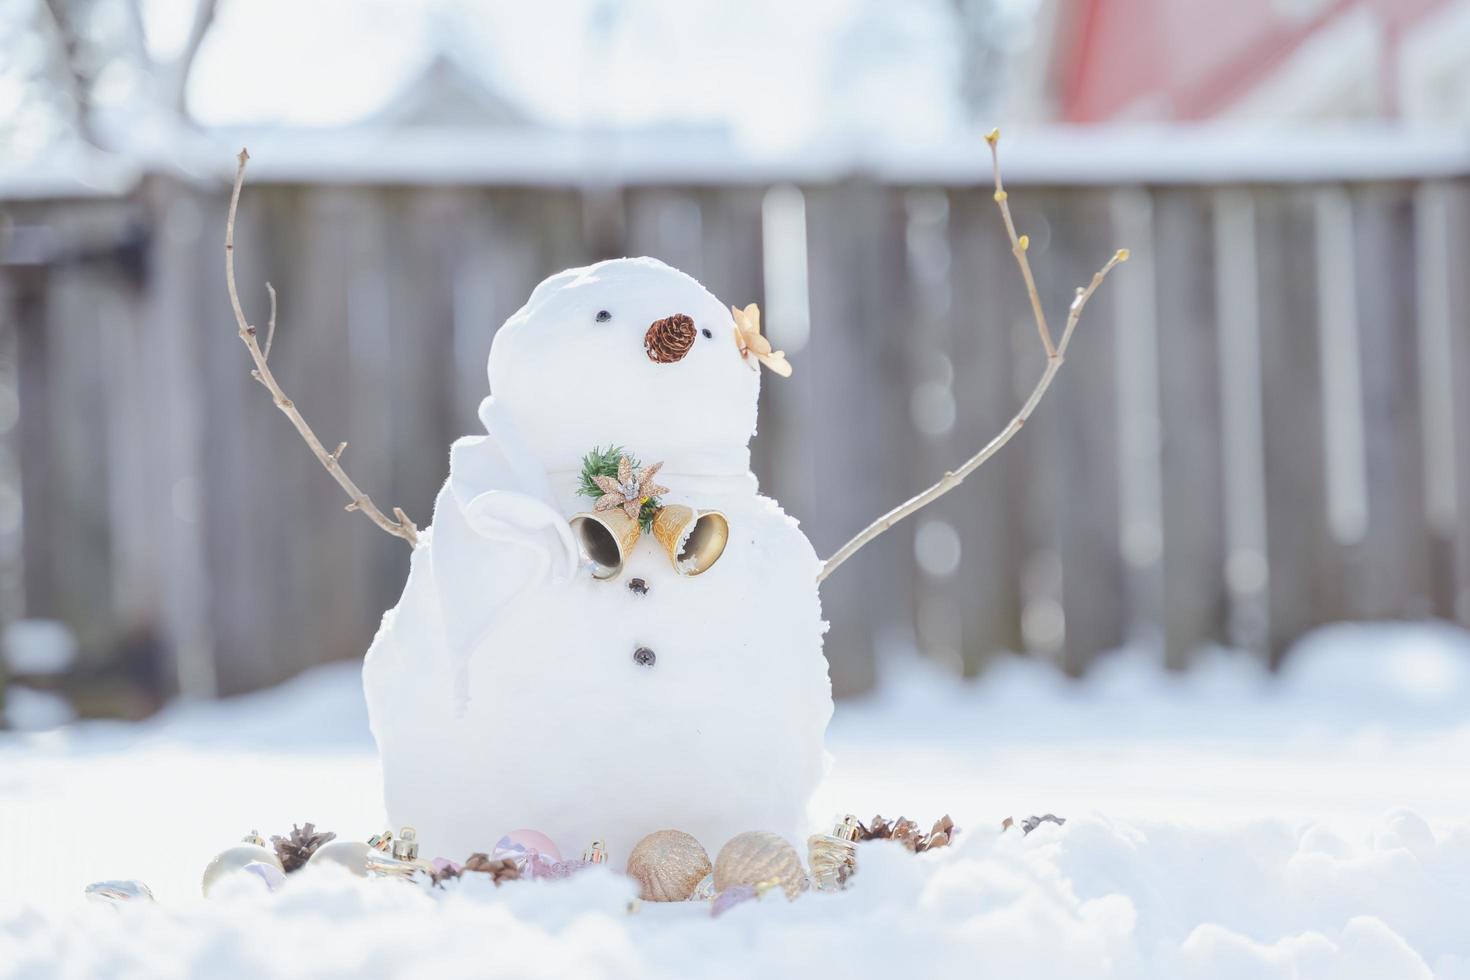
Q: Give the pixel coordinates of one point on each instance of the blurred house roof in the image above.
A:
(1286, 60)
(448, 92)
(1055, 155)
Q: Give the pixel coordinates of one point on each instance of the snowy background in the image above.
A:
(1224, 824)
(1261, 430)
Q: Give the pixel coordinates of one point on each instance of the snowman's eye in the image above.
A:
(706, 332)
(603, 316)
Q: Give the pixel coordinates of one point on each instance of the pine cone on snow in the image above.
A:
(880, 829)
(669, 339)
(907, 833)
(500, 870)
(296, 850)
(940, 834)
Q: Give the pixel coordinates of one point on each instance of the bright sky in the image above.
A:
(768, 67)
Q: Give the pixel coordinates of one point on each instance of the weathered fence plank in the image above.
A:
(178, 460)
(1395, 553)
(1292, 440)
(1457, 308)
(985, 300)
(1192, 497)
(1079, 229)
(843, 369)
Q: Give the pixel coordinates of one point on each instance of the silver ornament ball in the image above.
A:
(118, 892)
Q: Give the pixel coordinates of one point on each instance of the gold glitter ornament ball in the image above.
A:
(667, 864)
(757, 857)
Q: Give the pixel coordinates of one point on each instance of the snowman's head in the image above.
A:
(626, 352)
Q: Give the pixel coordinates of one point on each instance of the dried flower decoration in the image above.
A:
(748, 338)
(630, 490)
(616, 479)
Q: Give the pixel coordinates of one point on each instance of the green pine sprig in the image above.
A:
(601, 462)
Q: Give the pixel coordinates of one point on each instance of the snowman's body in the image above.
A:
(503, 689)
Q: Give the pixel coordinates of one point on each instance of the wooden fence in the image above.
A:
(1263, 424)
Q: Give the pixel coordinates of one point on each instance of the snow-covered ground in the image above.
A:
(1219, 825)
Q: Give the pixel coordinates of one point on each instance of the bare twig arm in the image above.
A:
(270, 327)
(402, 527)
(1055, 354)
(1019, 244)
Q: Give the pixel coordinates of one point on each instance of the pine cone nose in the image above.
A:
(669, 339)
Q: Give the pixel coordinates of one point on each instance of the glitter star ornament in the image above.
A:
(631, 490)
(748, 338)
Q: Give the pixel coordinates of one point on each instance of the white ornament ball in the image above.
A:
(350, 854)
(234, 859)
(270, 875)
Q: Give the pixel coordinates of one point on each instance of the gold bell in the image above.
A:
(693, 540)
(607, 538)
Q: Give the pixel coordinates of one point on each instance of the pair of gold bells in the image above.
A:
(692, 539)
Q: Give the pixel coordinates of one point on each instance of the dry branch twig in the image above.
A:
(1019, 245)
(1055, 354)
(270, 327)
(402, 527)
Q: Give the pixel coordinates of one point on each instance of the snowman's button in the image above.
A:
(637, 586)
(644, 657)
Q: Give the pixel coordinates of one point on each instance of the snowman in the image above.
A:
(607, 631)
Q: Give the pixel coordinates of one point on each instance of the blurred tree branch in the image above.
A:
(83, 53)
(984, 31)
(175, 76)
(79, 79)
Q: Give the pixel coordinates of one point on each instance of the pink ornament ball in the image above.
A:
(534, 840)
